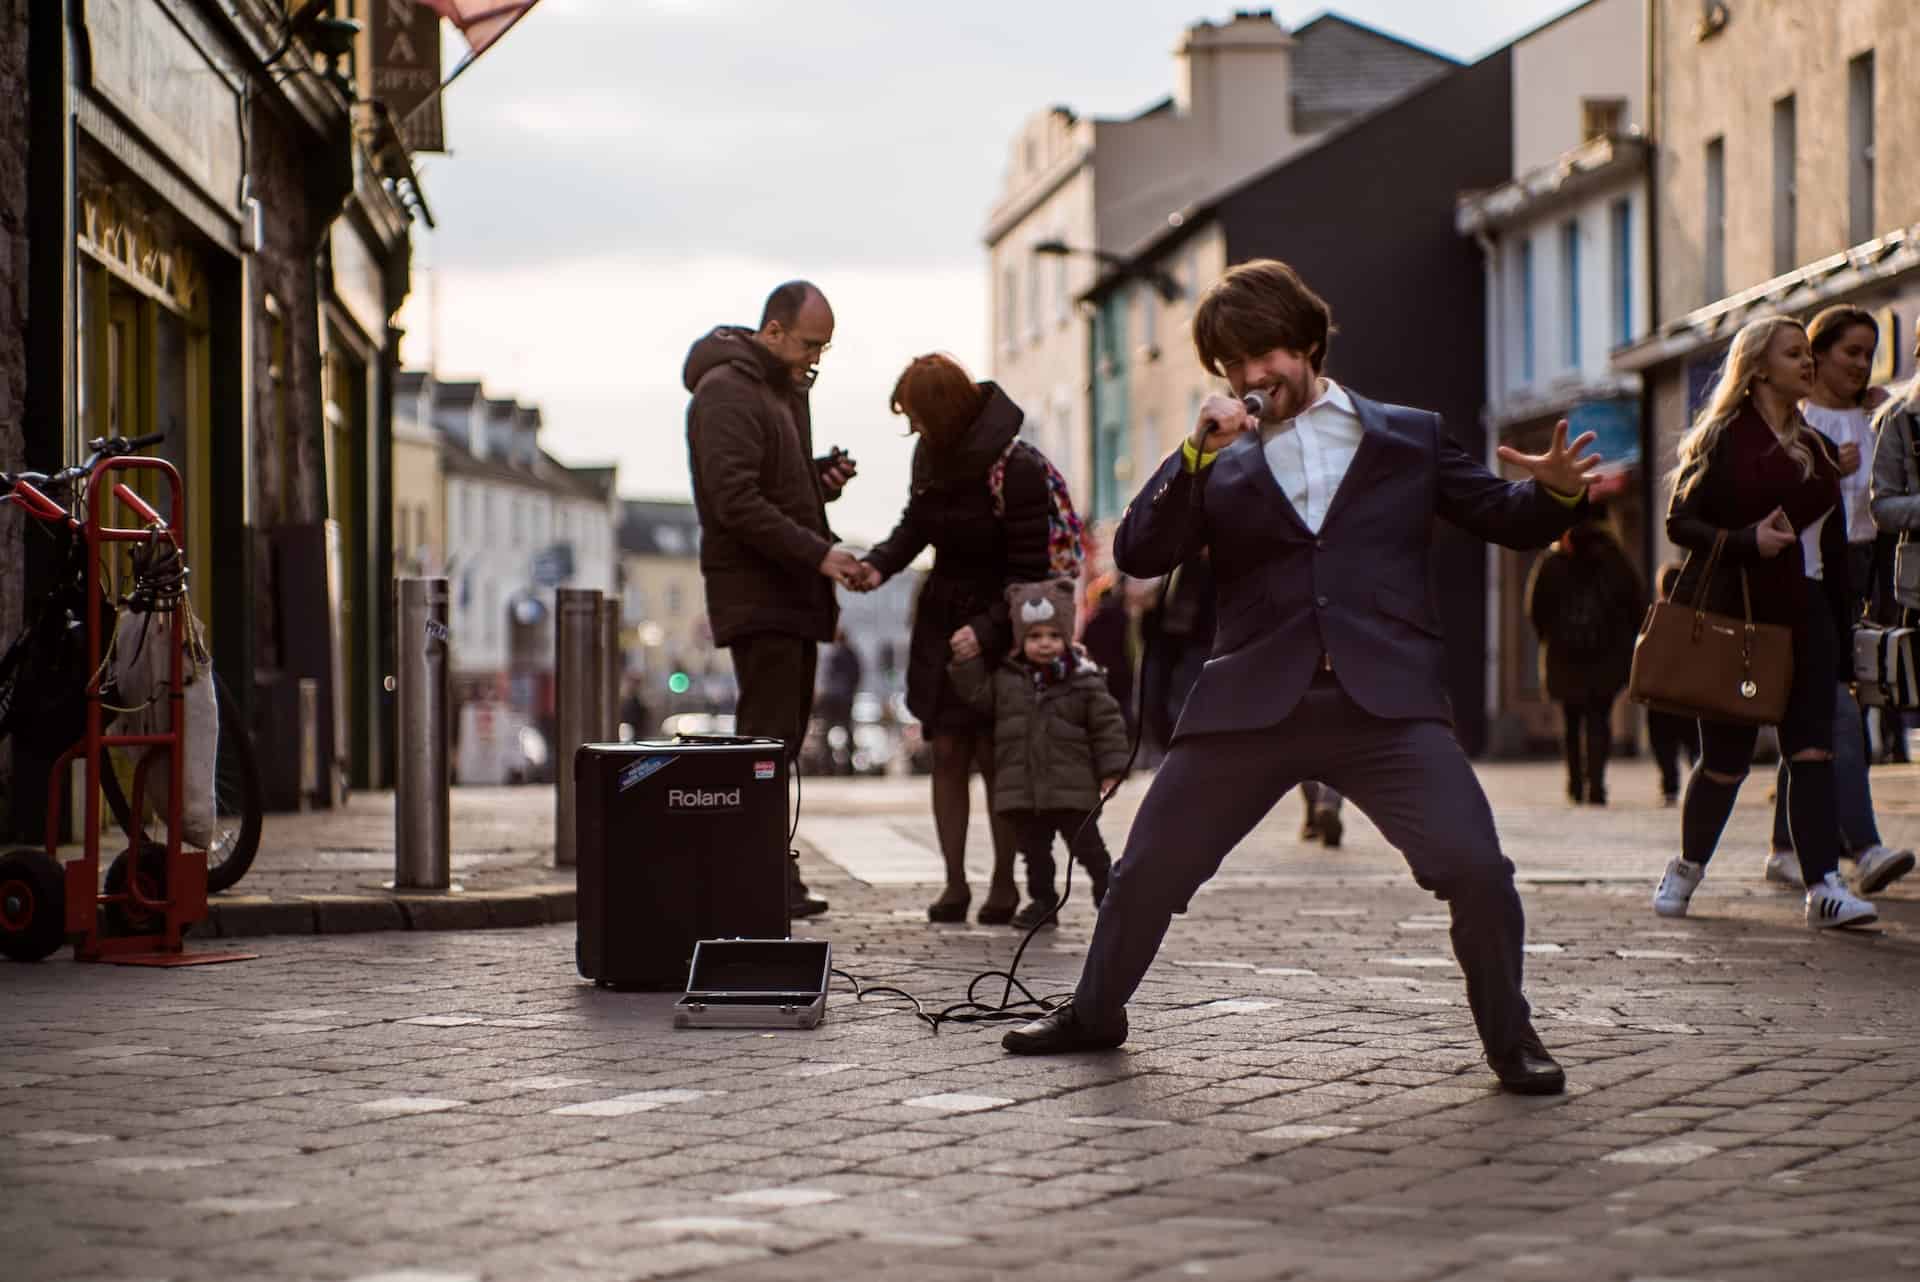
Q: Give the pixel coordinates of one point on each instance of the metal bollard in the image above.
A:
(611, 669)
(420, 813)
(579, 675)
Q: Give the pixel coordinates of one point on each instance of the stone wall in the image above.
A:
(13, 320)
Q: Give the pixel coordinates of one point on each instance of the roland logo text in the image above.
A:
(702, 799)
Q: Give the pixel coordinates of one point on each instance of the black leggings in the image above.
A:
(1726, 749)
(1589, 725)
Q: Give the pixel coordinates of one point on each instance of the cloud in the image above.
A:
(591, 345)
(628, 173)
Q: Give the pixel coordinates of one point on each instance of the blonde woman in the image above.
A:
(1753, 470)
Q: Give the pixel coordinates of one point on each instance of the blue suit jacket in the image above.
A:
(1357, 592)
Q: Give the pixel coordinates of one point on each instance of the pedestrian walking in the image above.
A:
(982, 543)
(1107, 638)
(1669, 734)
(1752, 478)
(1585, 601)
(839, 684)
(1843, 340)
(767, 554)
(1328, 662)
(1894, 497)
(1059, 742)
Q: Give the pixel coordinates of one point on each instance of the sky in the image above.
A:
(626, 174)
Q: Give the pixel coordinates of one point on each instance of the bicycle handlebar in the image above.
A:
(102, 446)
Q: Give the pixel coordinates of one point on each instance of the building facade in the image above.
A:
(1787, 179)
(1247, 92)
(1367, 215)
(216, 254)
(671, 659)
(1566, 248)
(517, 526)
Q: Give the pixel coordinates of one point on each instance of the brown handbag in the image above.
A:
(1693, 663)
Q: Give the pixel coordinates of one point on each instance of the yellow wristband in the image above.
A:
(1195, 459)
(1568, 499)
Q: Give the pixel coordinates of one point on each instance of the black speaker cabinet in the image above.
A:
(677, 841)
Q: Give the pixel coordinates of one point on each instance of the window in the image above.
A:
(1036, 300)
(1525, 279)
(1602, 117)
(1620, 225)
(1009, 307)
(1714, 258)
(1860, 147)
(1061, 302)
(1570, 275)
(674, 600)
(1785, 167)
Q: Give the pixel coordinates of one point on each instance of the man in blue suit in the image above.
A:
(1327, 659)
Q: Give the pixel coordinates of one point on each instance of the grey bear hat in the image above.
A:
(1047, 602)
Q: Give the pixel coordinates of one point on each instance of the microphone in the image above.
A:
(1256, 403)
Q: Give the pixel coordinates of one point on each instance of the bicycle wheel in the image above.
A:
(237, 800)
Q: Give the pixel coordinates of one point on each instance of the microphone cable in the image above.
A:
(972, 1010)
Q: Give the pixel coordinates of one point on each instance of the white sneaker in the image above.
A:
(1879, 868)
(1676, 887)
(1830, 903)
(1783, 869)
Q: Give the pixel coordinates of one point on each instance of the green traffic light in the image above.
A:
(679, 683)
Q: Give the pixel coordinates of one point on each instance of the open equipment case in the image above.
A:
(756, 983)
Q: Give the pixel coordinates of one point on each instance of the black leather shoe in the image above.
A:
(1035, 912)
(1527, 1069)
(805, 905)
(1330, 826)
(1060, 1031)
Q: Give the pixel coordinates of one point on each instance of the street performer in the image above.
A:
(1327, 660)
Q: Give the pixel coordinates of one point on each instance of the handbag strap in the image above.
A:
(1699, 602)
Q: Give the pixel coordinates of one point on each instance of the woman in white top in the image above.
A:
(1843, 340)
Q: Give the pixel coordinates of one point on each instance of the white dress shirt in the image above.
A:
(1852, 426)
(1310, 452)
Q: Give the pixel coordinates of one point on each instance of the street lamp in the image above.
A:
(1167, 287)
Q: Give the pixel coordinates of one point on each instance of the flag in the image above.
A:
(481, 21)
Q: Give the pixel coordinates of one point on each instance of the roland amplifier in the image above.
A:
(677, 841)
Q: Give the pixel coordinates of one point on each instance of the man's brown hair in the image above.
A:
(1256, 307)
(938, 397)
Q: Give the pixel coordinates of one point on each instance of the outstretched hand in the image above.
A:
(1562, 468)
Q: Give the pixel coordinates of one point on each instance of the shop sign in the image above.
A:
(405, 35)
(154, 74)
(1615, 425)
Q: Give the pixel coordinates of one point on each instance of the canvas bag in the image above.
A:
(140, 672)
(1693, 663)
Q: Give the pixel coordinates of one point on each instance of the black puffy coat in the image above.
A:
(1587, 573)
(976, 553)
(1052, 745)
(758, 491)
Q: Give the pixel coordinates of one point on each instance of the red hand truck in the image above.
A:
(163, 890)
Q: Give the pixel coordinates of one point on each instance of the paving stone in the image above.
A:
(415, 1102)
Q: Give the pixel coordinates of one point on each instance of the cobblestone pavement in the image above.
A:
(1301, 1098)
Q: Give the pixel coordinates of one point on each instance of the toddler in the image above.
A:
(1059, 740)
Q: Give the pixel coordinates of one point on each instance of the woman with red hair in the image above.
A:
(984, 536)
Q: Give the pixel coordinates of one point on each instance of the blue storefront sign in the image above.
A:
(1615, 425)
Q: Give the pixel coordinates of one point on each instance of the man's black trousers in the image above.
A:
(1410, 777)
